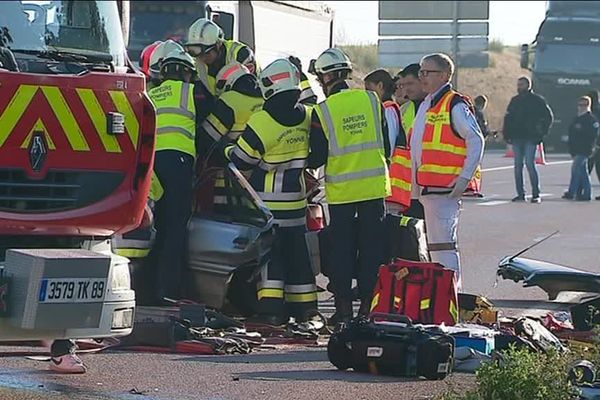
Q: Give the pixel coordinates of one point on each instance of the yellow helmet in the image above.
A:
(332, 60)
(203, 36)
(279, 76)
(228, 76)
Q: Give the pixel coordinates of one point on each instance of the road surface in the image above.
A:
(490, 229)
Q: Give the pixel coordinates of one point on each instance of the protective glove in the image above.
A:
(459, 188)
(296, 61)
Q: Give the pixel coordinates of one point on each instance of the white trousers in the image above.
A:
(441, 223)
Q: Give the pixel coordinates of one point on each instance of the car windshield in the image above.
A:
(84, 29)
(161, 20)
(570, 58)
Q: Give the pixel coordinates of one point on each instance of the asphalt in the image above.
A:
(490, 228)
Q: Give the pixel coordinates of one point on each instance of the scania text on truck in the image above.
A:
(565, 61)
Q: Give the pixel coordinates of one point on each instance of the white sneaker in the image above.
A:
(67, 364)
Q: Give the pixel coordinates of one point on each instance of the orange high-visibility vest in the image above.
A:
(401, 167)
(444, 151)
(401, 177)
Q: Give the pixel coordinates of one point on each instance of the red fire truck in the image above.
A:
(77, 137)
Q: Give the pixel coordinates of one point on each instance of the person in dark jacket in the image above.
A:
(583, 134)
(527, 120)
(480, 103)
(594, 160)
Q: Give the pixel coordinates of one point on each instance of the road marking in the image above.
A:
(512, 166)
(499, 202)
(494, 203)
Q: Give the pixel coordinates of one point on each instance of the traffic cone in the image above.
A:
(474, 187)
(509, 151)
(540, 157)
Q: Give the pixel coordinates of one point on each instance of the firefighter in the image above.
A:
(275, 146)
(206, 43)
(307, 96)
(136, 244)
(446, 147)
(173, 168)
(151, 57)
(349, 136)
(145, 57)
(239, 98)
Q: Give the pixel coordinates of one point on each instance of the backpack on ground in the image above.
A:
(391, 347)
(425, 292)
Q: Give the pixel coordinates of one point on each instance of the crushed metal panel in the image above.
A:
(552, 278)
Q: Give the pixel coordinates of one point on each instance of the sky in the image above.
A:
(513, 22)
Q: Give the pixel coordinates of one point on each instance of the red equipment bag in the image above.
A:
(425, 292)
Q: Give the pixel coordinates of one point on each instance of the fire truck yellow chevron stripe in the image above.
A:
(65, 118)
(14, 110)
(131, 122)
(98, 116)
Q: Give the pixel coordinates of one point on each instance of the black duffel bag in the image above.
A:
(393, 347)
(405, 238)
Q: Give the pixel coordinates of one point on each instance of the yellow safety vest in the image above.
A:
(356, 168)
(176, 116)
(232, 48)
(285, 148)
(243, 106)
(408, 112)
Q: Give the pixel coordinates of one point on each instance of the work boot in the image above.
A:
(67, 364)
(309, 315)
(343, 312)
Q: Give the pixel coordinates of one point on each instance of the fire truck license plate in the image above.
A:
(72, 290)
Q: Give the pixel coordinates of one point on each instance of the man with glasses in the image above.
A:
(206, 43)
(446, 146)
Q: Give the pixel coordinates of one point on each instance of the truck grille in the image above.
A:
(58, 191)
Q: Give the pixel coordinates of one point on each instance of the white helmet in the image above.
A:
(332, 60)
(178, 59)
(203, 35)
(228, 76)
(279, 76)
(161, 51)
